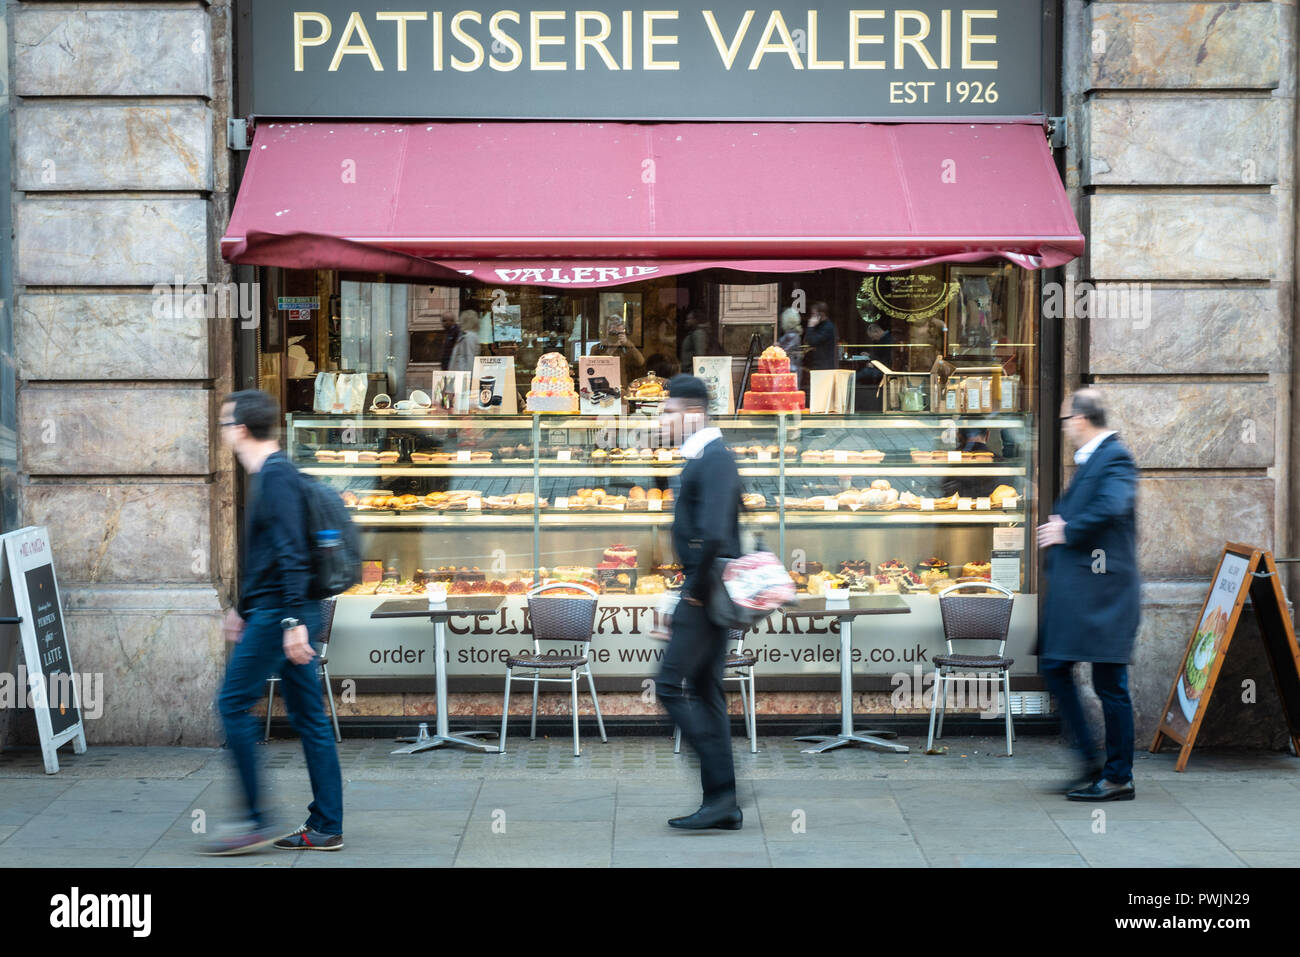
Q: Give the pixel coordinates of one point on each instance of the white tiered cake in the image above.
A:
(552, 386)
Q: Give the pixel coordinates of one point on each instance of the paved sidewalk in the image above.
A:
(540, 806)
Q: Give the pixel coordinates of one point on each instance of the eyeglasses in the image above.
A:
(1067, 418)
(226, 422)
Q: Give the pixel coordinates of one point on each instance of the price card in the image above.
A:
(927, 505)
(474, 504)
(664, 455)
(983, 504)
(350, 457)
(564, 455)
(562, 502)
(954, 457)
(462, 456)
(963, 504)
(854, 508)
(1009, 539)
(831, 505)
(765, 456)
(841, 457)
(618, 506)
(1010, 502)
(654, 505)
(1005, 570)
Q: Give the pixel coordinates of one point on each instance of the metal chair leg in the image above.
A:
(334, 712)
(270, 700)
(532, 729)
(934, 708)
(744, 705)
(505, 714)
(943, 704)
(574, 687)
(1006, 680)
(677, 742)
(600, 720)
(753, 714)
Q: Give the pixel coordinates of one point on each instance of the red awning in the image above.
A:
(599, 204)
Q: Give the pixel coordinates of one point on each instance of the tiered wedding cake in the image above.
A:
(774, 388)
(552, 386)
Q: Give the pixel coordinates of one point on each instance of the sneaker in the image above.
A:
(242, 840)
(305, 839)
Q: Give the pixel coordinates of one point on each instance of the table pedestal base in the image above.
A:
(424, 741)
(830, 741)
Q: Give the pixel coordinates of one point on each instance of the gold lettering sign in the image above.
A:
(911, 296)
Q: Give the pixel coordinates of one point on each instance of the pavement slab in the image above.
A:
(539, 806)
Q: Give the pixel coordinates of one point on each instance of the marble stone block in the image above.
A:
(1195, 424)
(1173, 46)
(110, 242)
(87, 430)
(151, 534)
(1191, 141)
(162, 658)
(1193, 330)
(1183, 523)
(63, 147)
(1151, 236)
(142, 51)
(73, 336)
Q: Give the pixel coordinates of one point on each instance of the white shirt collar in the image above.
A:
(693, 447)
(1085, 452)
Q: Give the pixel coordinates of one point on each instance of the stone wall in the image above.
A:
(1181, 159)
(121, 182)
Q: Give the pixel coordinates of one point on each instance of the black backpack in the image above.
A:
(334, 569)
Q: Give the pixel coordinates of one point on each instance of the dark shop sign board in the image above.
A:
(721, 60)
(45, 680)
(1243, 570)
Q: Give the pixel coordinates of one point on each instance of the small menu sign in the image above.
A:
(31, 593)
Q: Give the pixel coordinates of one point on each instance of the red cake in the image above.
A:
(774, 382)
(773, 386)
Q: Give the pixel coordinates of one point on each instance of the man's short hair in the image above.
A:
(256, 411)
(689, 389)
(468, 315)
(820, 307)
(1087, 403)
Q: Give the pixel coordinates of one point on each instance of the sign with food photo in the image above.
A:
(1207, 642)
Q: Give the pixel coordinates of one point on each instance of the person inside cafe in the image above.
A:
(616, 343)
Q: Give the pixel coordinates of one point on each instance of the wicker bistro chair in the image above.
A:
(326, 625)
(973, 618)
(739, 667)
(569, 619)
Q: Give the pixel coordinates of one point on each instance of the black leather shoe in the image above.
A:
(1086, 776)
(1104, 790)
(706, 818)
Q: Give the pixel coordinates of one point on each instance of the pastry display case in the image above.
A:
(492, 504)
(503, 499)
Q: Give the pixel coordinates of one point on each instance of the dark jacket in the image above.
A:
(1093, 589)
(706, 518)
(276, 556)
(821, 342)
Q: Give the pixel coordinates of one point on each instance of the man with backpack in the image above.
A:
(274, 629)
(706, 525)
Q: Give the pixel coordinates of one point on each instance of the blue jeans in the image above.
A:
(258, 655)
(1110, 681)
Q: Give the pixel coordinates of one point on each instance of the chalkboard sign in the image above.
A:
(51, 686)
(1242, 571)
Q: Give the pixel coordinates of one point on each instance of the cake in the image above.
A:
(977, 570)
(618, 556)
(552, 386)
(773, 386)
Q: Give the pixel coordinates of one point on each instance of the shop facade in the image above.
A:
(147, 514)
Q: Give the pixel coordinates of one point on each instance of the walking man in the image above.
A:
(1093, 600)
(705, 526)
(274, 628)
